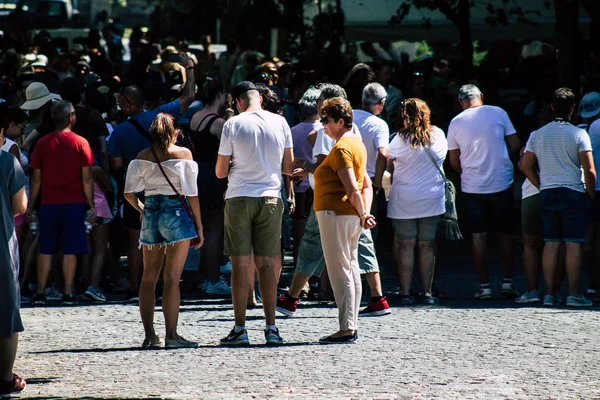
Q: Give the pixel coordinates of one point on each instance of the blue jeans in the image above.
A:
(565, 214)
(165, 222)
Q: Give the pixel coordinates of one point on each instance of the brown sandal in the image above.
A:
(17, 384)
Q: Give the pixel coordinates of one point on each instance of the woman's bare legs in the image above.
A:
(174, 263)
(153, 262)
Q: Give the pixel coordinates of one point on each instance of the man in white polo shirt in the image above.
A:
(255, 149)
(562, 151)
(477, 144)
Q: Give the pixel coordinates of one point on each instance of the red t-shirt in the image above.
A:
(60, 156)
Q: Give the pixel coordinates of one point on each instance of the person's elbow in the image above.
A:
(382, 154)
(221, 171)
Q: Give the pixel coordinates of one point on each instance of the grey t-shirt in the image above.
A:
(255, 140)
(557, 146)
(12, 179)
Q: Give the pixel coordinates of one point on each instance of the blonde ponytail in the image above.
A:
(163, 130)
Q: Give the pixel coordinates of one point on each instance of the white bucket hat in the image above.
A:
(36, 95)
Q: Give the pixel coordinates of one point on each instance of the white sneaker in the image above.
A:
(484, 294)
(225, 269)
(220, 287)
(528, 298)
(508, 290)
(53, 294)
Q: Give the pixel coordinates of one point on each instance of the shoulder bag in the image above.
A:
(448, 227)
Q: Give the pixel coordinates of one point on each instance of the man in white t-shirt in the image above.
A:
(255, 149)
(311, 260)
(374, 131)
(562, 151)
(477, 144)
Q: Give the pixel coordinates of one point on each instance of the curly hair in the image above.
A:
(163, 130)
(338, 108)
(416, 124)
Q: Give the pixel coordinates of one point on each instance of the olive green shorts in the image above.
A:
(531, 216)
(253, 224)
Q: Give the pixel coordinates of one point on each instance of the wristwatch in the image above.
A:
(304, 166)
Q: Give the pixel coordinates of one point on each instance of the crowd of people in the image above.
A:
(247, 160)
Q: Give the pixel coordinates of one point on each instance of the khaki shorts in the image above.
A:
(253, 223)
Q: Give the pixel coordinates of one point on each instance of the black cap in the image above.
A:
(242, 88)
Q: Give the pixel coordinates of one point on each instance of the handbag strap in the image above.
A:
(144, 132)
(441, 171)
(179, 196)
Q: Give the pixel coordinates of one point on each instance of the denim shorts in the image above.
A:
(565, 213)
(165, 222)
(65, 222)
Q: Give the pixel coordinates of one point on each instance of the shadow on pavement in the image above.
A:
(202, 346)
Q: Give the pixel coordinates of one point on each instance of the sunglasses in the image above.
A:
(324, 120)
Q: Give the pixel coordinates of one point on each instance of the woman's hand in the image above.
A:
(200, 238)
(368, 221)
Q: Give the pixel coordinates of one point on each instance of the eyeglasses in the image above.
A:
(73, 113)
(22, 126)
(122, 94)
(383, 99)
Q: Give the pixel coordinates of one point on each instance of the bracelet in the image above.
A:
(365, 215)
(304, 166)
(189, 67)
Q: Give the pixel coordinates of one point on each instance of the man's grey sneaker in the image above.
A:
(272, 337)
(484, 294)
(529, 298)
(220, 288)
(236, 338)
(95, 294)
(53, 294)
(550, 300)
(574, 301)
(508, 290)
(431, 300)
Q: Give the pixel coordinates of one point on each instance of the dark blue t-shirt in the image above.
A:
(126, 141)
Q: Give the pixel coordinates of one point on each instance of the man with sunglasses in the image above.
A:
(131, 137)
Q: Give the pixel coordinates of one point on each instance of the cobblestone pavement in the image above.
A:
(445, 352)
(462, 349)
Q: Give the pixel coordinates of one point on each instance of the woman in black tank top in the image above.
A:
(206, 127)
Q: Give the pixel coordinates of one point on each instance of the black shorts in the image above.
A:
(131, 216)
(490, 212)
(304, 202)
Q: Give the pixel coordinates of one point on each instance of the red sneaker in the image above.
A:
(376, 309)
(286, 306)
(16, 385)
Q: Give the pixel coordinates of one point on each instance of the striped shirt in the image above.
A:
(557, 146)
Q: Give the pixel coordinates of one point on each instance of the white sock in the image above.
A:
(272, 327)
(239, 329)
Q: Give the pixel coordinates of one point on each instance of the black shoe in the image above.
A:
(38, 299)
(236, 339)
(133, 295)
(68, 300)
(348, 339)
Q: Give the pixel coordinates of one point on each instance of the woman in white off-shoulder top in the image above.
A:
(166, 226)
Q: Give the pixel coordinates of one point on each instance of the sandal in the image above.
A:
(152, 343)
(180, 343)
(17, 384)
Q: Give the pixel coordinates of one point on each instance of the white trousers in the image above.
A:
(339, 238)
